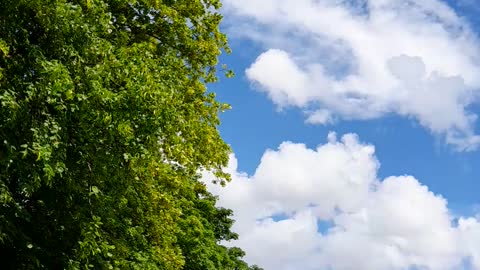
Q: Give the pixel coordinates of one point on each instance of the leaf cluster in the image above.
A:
(105, 122)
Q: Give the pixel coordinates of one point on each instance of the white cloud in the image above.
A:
(320, 117)
(393, 224)
(403, 224)
(362, 59)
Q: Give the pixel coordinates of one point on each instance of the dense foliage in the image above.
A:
(105, 123)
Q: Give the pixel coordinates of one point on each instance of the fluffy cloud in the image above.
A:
(325, 208)
(360, 59)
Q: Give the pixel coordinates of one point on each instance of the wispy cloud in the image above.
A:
(364, 59)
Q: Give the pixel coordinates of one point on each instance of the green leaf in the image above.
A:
(4, 48)
(95, 190)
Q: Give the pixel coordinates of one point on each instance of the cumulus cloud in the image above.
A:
(363, 59)
(325, 208)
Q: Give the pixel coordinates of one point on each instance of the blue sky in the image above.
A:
(254, 125)
(420, 122)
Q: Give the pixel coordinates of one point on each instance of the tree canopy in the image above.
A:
(105, 123)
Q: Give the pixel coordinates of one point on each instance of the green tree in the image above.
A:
(105, 122)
